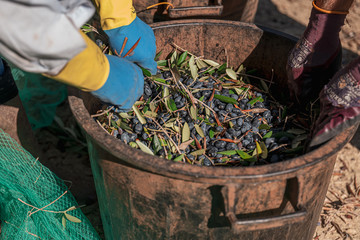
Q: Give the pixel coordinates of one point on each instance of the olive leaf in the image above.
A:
(229, 152)
(211, 133)
(72, 218)
(198, 152)
(264, 149)
(161, 63)
(172, 105)
(231, 73)
(240, 69)
(243, 154)
(268, 135)
(63, 221)
(193, 113)
(179, 158)
(225, 99)
(156, 143)
(182, 58)
(200, 64)
(184, 145)
(211, 62)
(255, 100)
(199, 130)
(193, 68)
(185, 132)
(144, 148)
(138, 115)
(173, 57)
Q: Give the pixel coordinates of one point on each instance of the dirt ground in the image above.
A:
(341, 213)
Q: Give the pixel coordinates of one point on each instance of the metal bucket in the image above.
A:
(236, 10)
(146, 197)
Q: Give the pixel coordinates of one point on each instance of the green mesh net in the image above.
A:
(40, 96)
(34, 202)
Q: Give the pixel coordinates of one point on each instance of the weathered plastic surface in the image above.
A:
(145, 197)
(237, 10)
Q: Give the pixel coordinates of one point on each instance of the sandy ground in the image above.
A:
(340, 218)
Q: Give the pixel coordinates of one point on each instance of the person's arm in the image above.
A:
(45, 39)
(314, 66)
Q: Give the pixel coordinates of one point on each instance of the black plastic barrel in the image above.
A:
(146, 197)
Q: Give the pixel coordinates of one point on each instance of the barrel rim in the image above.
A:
(183, 171)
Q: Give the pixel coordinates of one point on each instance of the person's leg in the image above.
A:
(317, 55)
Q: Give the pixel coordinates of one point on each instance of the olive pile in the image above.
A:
(204, 113)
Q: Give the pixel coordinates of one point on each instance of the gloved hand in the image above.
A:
(145, 51)
(112, 79)
(124, 85)
(316, 57)
(340, 104)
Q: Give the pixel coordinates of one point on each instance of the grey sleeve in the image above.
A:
(41, 36)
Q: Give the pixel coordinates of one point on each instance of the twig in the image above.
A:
(132, 48)
(102, 113)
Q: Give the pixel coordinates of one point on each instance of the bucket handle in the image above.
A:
(255, 224)
(183, 12)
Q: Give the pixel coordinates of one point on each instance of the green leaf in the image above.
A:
(146, 72)
(199, 130)
(144, 148)
(243, 154)
(72, 218)
(185, 132)
(193, 68)
(156, 143)
(231, 73)
(211, 62)
(225, 99)
(264, 149)
(172, 105)
(229, 152)
(157, 56)
(267, 135)
(258, 148)
(182, 58)
(255, 100)
(202, 98)
(162, 63)
(160, 80)
(138, 115)
(179, 158)
(222, 68)
(211, 133)
(198, 152)
(264, 126)
(174, 57)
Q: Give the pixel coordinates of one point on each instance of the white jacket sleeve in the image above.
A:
(42, 35)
